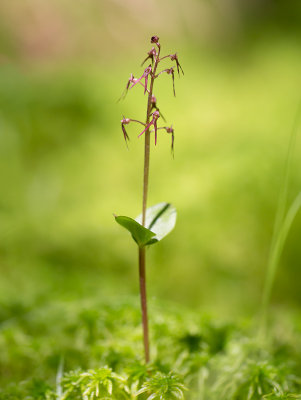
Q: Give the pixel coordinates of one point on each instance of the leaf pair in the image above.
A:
(160, 220)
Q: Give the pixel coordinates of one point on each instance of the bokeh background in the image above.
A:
(64, 167)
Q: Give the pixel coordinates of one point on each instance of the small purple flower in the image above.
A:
(171, 130)
(174, 57)
(131, 80)
(171, 72)
(151, 54)
(155, 40)
(125, 121)
(145, 75)
(153, 122)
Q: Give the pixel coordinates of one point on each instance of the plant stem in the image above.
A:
(142, 275)
(142, 278)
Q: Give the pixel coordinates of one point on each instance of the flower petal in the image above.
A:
(146, 128)
(125, 135)
(155, 126)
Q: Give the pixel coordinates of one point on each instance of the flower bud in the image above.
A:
(153, 100)
(154, 39)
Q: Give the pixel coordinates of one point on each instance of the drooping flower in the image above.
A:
(131, 80)
(171, 130)
(145, 75)
(151, 126)
(153, 122)
(125, 121)
(150, 55)
(171, 72)
(174, 57)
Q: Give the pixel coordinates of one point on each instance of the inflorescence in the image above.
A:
(146, 80)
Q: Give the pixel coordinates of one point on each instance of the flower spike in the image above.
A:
(153, 55)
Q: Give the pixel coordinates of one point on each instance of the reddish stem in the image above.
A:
(142, 279)
(142, 275)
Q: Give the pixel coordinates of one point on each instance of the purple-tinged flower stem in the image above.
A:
(147, 140)
(142, 275)
(139, 122)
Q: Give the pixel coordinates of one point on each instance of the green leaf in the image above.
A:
(140, 234)
(160, 219)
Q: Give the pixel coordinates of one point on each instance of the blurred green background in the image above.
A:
(64, 167)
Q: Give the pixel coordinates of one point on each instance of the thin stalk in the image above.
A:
(281, 226)
(142, 278)
(142, 274)
(275, 256)
(282, 203)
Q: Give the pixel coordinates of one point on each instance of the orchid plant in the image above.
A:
(155, 222)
